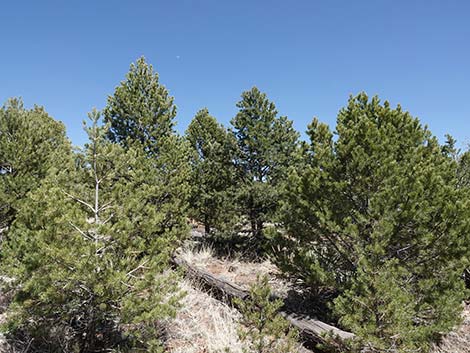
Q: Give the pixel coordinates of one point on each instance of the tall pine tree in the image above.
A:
(141, 116)
(376, 216)
(90, 253)
(141, 109)
(212, 173)
(266, 145)
(31, 143)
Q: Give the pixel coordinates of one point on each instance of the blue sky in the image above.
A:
(307, 55)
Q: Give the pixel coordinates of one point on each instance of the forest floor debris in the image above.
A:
(206, 325)
(236, 270)
(245, 273)
(203, 325)
(457, 341)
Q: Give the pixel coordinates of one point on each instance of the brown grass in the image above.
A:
(204, 325)
(245, 273)
(457, 341)
(235, 269)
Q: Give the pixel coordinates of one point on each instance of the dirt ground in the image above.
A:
(206, 325)
(245, 273)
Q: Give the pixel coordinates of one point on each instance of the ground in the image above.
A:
(206, 325)
(457, 341)
(245, 273)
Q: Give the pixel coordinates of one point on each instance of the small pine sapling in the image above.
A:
(263, 329)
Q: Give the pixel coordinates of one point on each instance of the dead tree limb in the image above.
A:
(312, 331)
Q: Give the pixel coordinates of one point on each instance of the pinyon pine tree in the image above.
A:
(141, 109)
(90, 253)
(31, 143)
(376, 216)
(262, 326)
(141, 116)
(266, 146)
(212, 173)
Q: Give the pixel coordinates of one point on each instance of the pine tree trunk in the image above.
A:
(207, 226)
(259, 229)
(253, 226)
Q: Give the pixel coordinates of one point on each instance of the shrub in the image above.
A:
(376, 216)
(263, 328)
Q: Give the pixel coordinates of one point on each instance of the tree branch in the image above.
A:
(85, 235)
(80, 201)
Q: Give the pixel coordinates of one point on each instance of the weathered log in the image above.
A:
(311, 330)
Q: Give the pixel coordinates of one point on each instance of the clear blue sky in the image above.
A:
(307, 55)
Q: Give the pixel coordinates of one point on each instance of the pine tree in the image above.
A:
(262, 327)
(212, 173)
(266, 145)
(141, 109)
(31, 142)
(90, 254)
(376, 216)
(141, 117)
(463, 173)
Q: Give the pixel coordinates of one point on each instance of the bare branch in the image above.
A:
(142, 265)
(108, 219)
(105, 206)
(127, 285)
(85, 235)
(80, 201)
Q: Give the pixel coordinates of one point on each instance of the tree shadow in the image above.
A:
(239, 244)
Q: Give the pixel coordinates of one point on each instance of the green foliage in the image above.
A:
(141, 117)
(212, 173)
(31, 143)
(266, 145)
(264, 329)
(376, 216)
(463, 182)
(90, 253)
(463, 172)
(141, 109)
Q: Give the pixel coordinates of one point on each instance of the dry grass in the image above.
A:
(457, 341)
(204, 325)
(245, 273)
(236, 270)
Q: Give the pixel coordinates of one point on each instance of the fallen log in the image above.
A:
(311, 330)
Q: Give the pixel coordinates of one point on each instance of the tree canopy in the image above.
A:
(31, 145)
(213, 177)
(140, 109)
(369, 215)
(266, 144)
